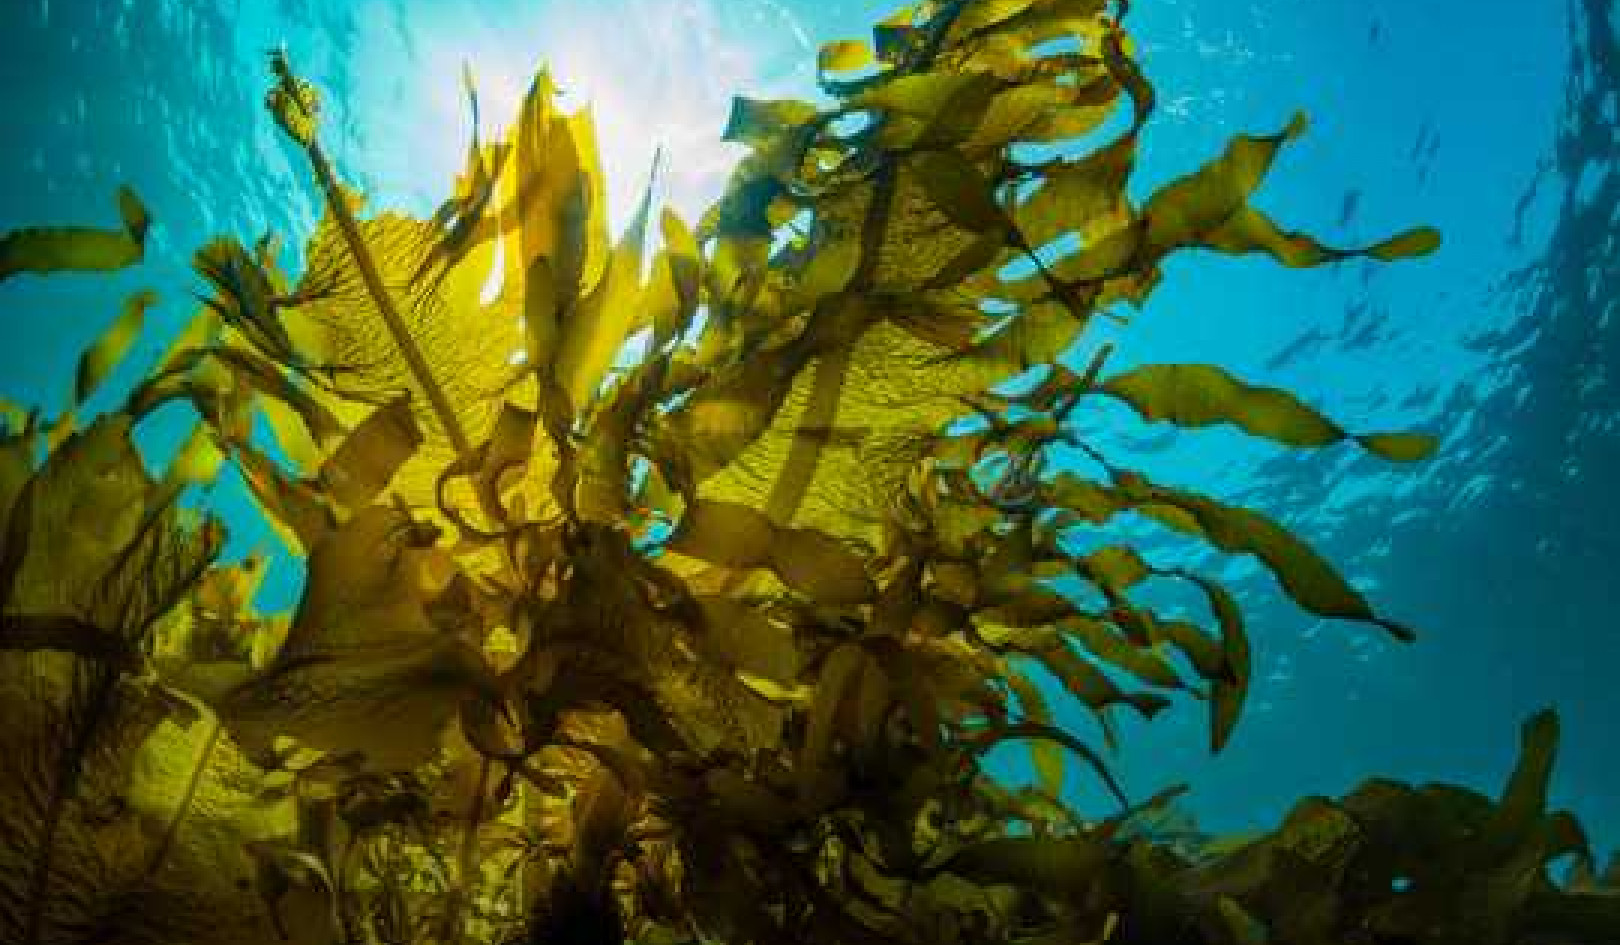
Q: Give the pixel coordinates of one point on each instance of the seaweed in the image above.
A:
(676, 589)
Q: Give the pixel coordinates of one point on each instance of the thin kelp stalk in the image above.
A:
(210, 742)
(296, 108)
(467, 861)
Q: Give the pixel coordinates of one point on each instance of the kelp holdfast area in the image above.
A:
(676, 588)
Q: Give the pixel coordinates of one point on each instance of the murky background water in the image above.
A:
(1495, 121)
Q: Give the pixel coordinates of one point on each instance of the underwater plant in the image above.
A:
(674, 590)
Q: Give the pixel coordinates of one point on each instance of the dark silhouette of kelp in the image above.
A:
(705, 644)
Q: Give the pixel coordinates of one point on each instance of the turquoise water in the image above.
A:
(1496, 122)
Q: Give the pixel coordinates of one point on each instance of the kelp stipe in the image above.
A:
(709, 645)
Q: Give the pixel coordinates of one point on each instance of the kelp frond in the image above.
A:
(709, 643)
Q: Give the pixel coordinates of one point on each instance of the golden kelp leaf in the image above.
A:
(198, 460)
(56, 249)
(100, 358)
(1399, 447)
(1305, 576)
(389, 701)
(1231, 687)
(840, 675)
(1524, 799)
(1186, 209)
(745, 638)
(988, 13)
(468, 345)
(1045, 755)
(1124, 650)
(1196, 395)
(758, 122)
(1416, 242)
(299, 515)
(845, 56)
(1085, 681)
(959, 189)
(1117, 567)
(17, 445)
(1209, 208)
(364, 463)
(73, 519)
(1201, 650)
(365, 585)
(490, 467)
(245, 297)
(593, 333)
(810, 562)
(552, 204)
(725, 533)
(820, 567)
(1085, 195)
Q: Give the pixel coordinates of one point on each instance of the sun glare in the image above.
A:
(655, 74)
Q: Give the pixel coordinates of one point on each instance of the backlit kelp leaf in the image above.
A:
(247, 297)
(57, 249)
(810, 562)
(94, 554)
(1230, 685)
(490, 469)
(959, 189)
(298, 514)
(1199, 203)
(759, 123)
(1085, 195)
(389, 702)
(470, 344)
(593, 333)
(553, 205)
(1045, 755)
(1195, 395)
(366, 584)
(1209, 208)
(95, 538)
(1082, 679)
(364, 463)
(844, 56)
(1100, 640)
(839, 677)
(1304, 574)
(101, 357)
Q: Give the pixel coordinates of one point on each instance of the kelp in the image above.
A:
(676, 587)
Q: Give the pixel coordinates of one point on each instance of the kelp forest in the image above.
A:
(674, 586)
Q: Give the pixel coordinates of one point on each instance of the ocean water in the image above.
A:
(1494, 121)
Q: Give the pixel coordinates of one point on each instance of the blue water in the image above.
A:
(1494, 121)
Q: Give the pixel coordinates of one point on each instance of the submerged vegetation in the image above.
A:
(674, 588)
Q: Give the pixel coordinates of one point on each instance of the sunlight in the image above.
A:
(654, 73)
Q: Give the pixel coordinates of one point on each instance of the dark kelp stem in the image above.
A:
(102, 683)
(294, 104)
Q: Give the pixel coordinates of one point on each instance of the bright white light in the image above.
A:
(655, 73)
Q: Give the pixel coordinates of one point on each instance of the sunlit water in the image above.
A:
(1495, 121)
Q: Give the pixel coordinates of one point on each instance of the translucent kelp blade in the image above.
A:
(101, 357)
(57, 249)
(1196, 395)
